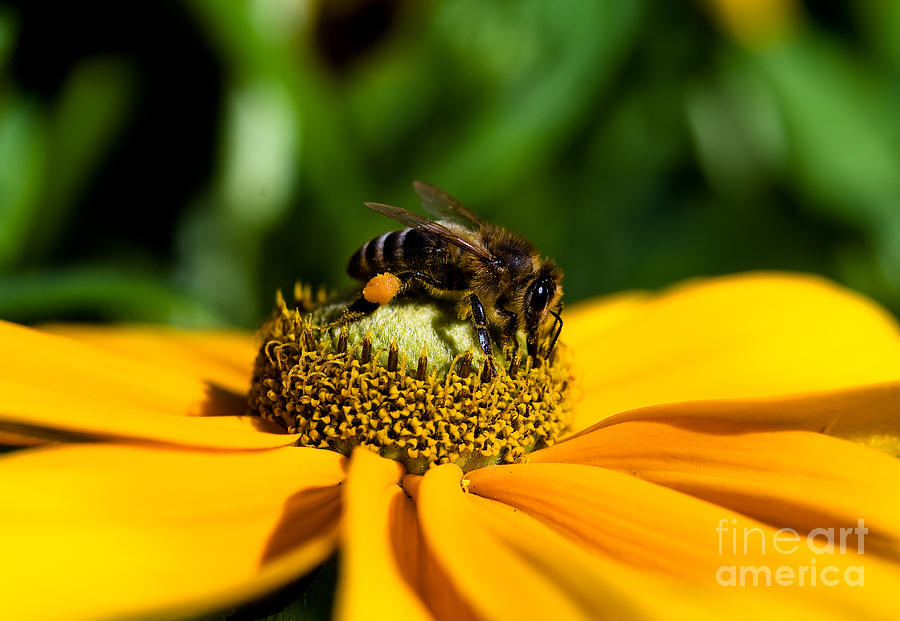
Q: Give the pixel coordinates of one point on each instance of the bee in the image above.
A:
(500, 278)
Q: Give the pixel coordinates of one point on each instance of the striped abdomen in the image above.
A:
(394, 252)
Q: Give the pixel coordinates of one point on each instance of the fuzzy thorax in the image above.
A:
(404, 382)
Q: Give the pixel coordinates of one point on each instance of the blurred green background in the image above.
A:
(178, 161)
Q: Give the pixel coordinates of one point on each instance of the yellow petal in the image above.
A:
(652, 528)
(734, 337)
(590, 320)
(797, 479)
(9, 438)
(510, 566)
(505, 587)
(867, 415)
(41, 412)
(51, 384)
(417, 563)
(622, 517)
(105, 531)
(221, 358)
(63, 365)
(372, 585)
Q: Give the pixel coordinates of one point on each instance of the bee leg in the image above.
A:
(379, 290)
(479, 319)
(360, 308)
(532, 343)
(408, 277)
(509, 329)
(557, 324)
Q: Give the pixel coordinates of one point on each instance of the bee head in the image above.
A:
(542, 293)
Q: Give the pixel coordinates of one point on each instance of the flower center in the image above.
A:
(405, 382)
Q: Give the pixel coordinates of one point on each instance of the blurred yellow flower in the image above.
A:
(713, 414)
(754, 22)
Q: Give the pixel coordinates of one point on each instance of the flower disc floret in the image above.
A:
(338, 390)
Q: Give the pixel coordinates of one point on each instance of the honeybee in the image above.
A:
(501, 278)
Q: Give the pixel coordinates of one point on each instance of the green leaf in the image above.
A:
(576, 49)
(82, 126)
(99, 293)
(23, 156)
(8, 30)
(842, 128)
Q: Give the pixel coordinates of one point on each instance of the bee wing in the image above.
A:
(431, 227)
(444, 207)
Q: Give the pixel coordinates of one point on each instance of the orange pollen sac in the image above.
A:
(382, 288)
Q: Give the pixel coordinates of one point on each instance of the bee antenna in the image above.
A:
(558, 324)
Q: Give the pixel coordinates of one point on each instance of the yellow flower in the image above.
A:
(718, 411)
(755, 22)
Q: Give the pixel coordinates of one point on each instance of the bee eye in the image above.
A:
(541, 291)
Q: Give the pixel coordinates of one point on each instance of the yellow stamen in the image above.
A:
(337, 393)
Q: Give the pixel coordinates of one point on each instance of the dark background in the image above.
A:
(178, 161)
